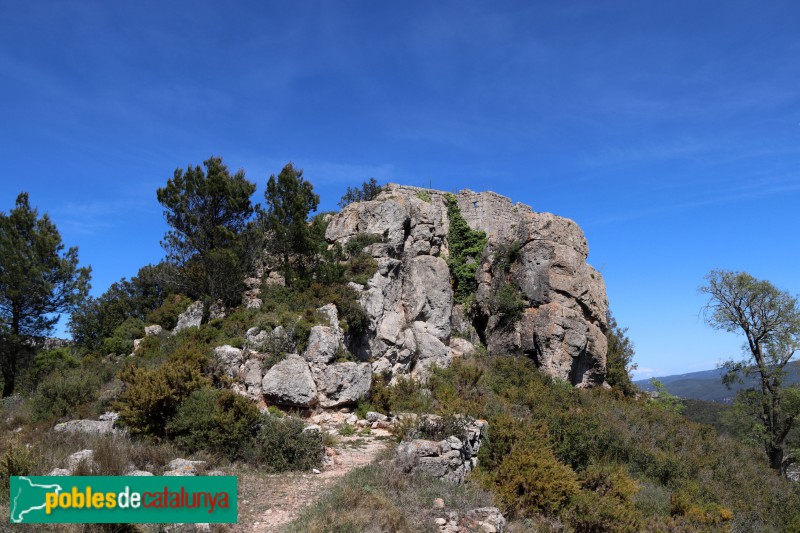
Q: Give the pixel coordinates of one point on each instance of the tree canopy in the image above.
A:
(619, 359)
(769, 318)
(209, 213)
(38, 280)
(290, 199)
(368, 191)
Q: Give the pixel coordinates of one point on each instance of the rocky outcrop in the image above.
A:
(450, 459)
(562, 327)
(539, 259)
(105, 424)
(191, 318)
(410, 301)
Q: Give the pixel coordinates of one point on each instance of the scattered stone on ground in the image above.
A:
(183, 467)
(75, 460)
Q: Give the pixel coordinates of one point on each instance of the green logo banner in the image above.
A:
(122, 499)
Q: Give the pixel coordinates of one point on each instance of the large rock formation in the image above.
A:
(410, 300)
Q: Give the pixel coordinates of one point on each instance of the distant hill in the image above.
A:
(707, 384)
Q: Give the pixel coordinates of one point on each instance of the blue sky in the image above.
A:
(669, 131)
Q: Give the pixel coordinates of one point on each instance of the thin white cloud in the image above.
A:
(91, 218)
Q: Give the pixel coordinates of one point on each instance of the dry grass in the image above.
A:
(377, 498)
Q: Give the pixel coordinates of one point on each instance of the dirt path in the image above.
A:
(269, 502)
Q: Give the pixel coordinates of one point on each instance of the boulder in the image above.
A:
(290, 383)
(460, 347)
(323, 343)
(96, 427)
(183, 467)
(153, 330)
(191, 318)
(252, 376)
(342, 383)
(85, 457)
(230, 359)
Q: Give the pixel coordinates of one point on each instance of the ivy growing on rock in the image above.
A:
(466, 247)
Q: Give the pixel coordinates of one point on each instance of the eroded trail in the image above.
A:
(267, 502)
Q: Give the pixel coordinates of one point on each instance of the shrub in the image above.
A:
(356, 245)
(121, 340)
(361, 268)
(347, 430)
(519, 465)
(152, 395)
(15, 460)
(405, 395)
(606, 502)
(532, 480)
(507, 303)
(217, 421)
(282, 305)
(281, 445)
(459, 388)
(590, 511)
(46, 362)
(63, 392)
(425, 196)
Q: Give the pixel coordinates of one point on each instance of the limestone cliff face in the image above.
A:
(410, 299)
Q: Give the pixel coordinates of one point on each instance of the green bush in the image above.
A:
(361, 268)
(121, 340)
(16, 459)
(406, 395)
(607, 501)
(356, 245)
(281, 445)
(425, 196)
(660, 449)
(590, 511)
(46, 362)
(215, 420)
(507, 303)
(520, 467)
(282, 305)
(62, 392)
(152, 395)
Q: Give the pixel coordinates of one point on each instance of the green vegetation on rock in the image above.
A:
(466, 248)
